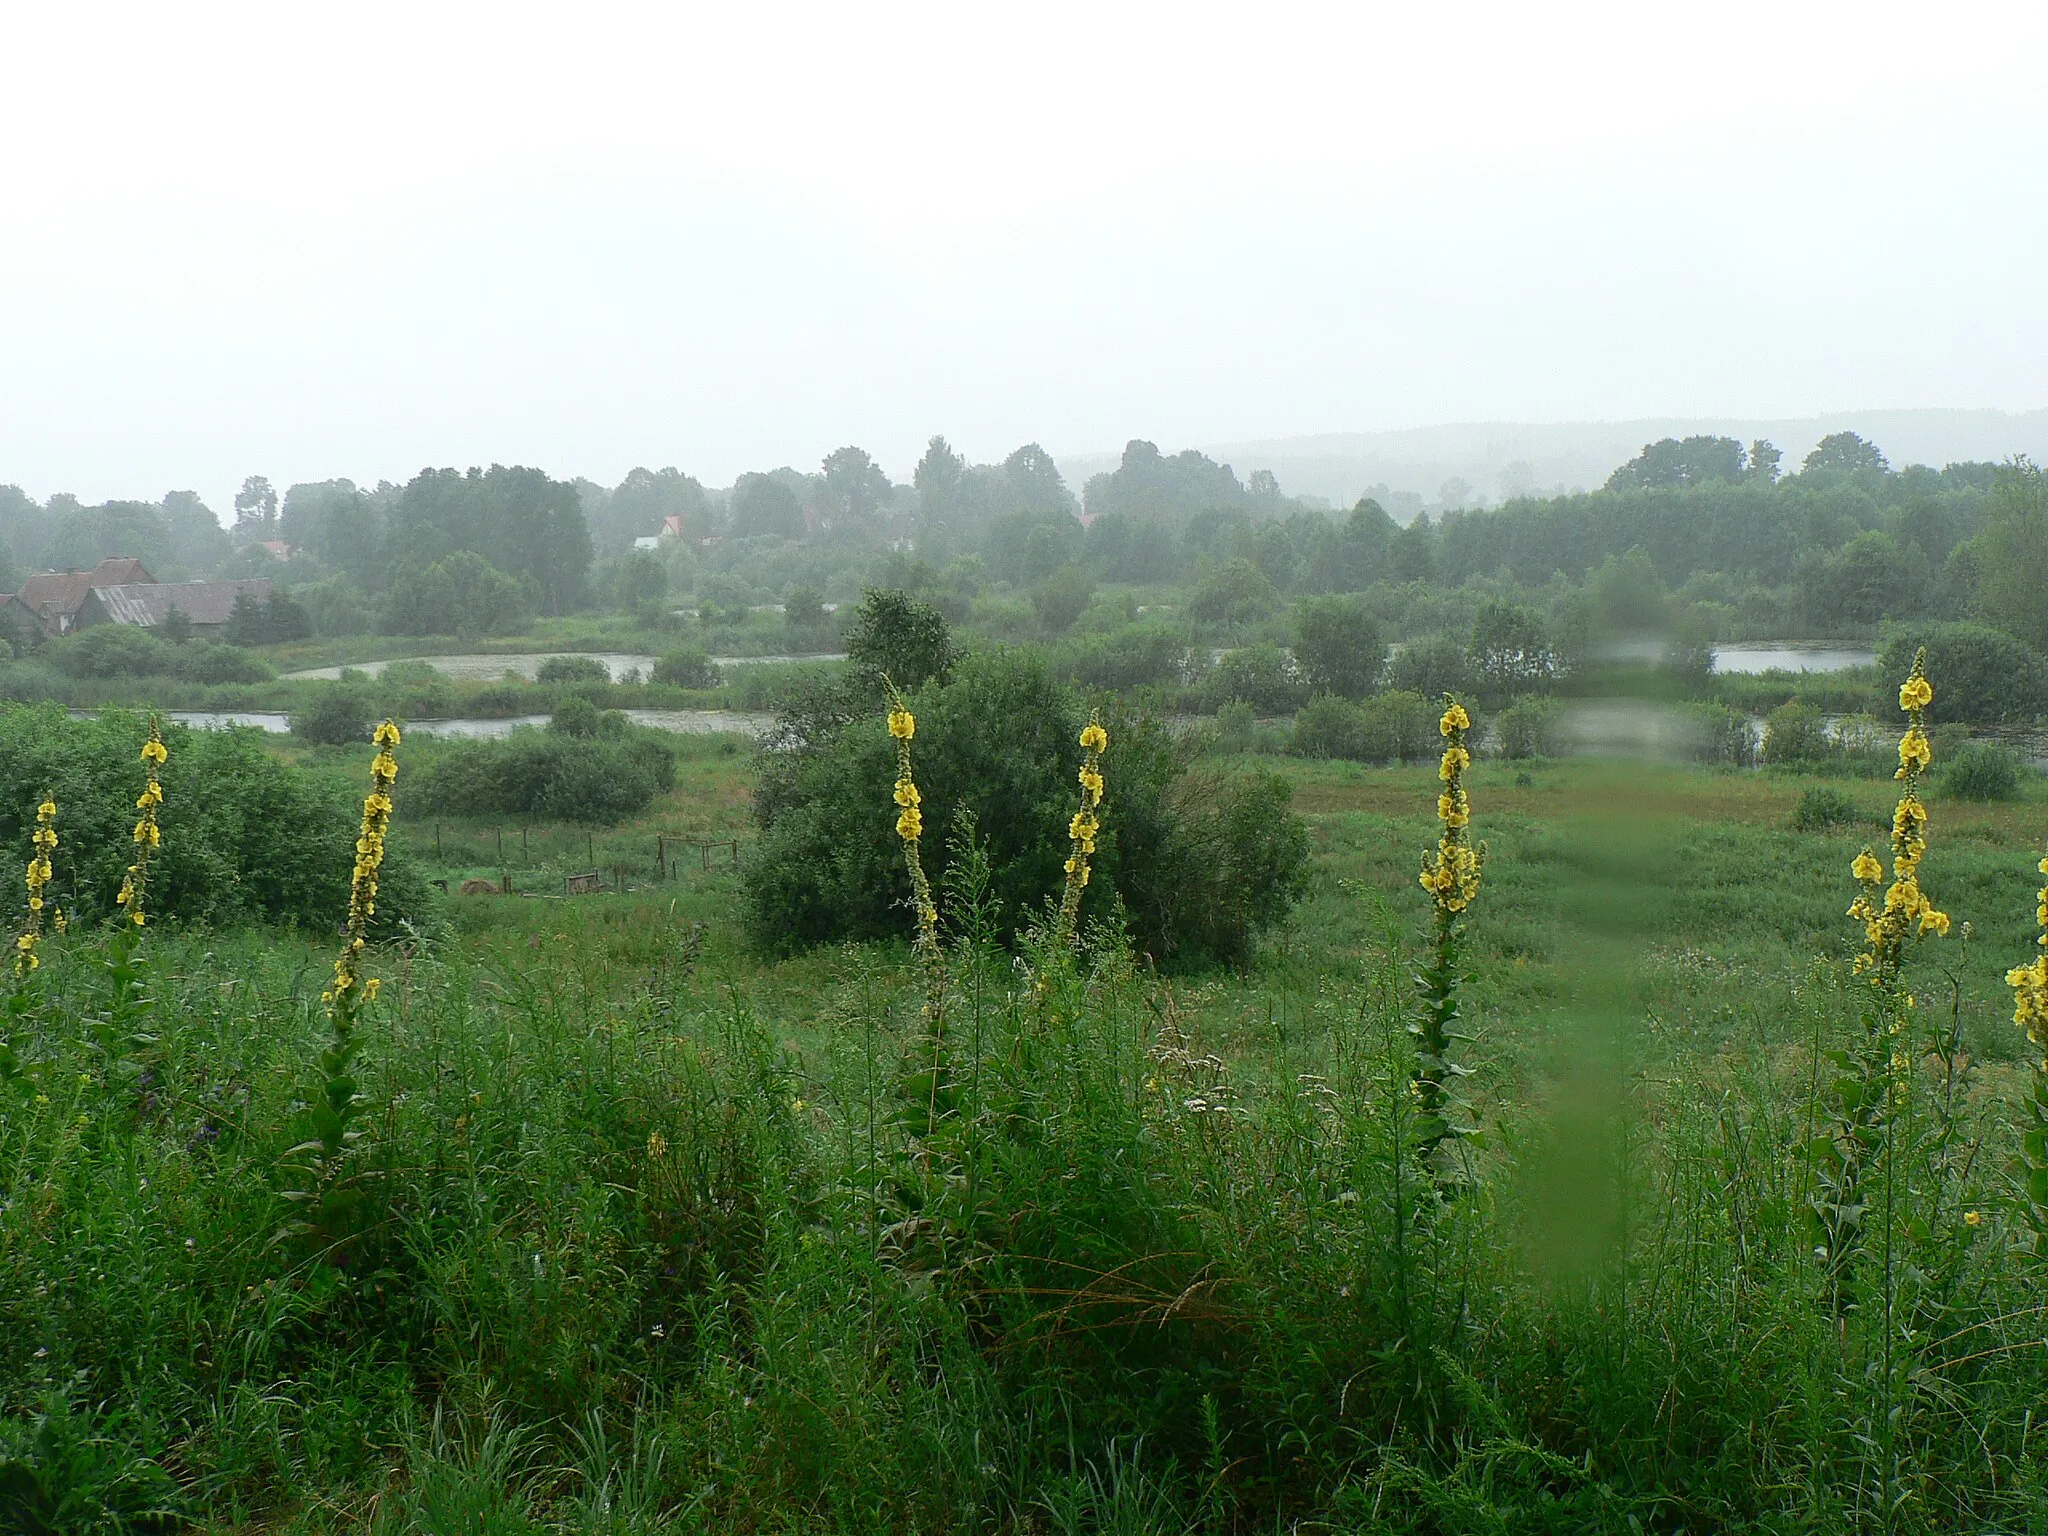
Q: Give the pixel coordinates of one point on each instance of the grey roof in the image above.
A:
(203, 602)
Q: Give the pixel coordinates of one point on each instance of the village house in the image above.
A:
(120, 590)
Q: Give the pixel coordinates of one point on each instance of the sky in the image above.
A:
(316, 241)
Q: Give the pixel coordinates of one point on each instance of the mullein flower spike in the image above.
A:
(1451, 874)
(148, 836)
(43, 841)
(1902, 911)
(362, 895)
(910, 823)
(1085, 825)
(2029, 982)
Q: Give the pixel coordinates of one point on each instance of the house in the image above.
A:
(277, 549)
(648, 541)
(671, 527)
(146, 605)
(52, 599)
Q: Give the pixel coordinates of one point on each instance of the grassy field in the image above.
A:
(659, 1236)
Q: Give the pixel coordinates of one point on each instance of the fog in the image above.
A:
(240, 239)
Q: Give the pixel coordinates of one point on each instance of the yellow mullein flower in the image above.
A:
(43, 840)
(902, 723)
(362, 894)
(1082, 828)
(1907, 911)
(2029, 982)
(1453, 724)
(910, 827)
(1451, 875)
(148, 838)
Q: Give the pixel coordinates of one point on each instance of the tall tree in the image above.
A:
(2012, 554)
(255, 510)
(855, 487)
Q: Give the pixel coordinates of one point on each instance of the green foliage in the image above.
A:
(1259, 675)
(64, 1474)
(1979, 770)
(1059, 599)
(561, 775)
(1329, 726)
(273, 621)
(1432, 666)
(1233, 595)
(895, 636)
(998, 742)
(804, 608)
(577, 716)
(2011, 554)
(462, 594)
(202, 662)
(1511, 649)
(336, 715)
(1795, 734)
(244, 836)
(1527, 728)
(109, 650)
(1981, 676)
(492, 533)
(1824, 808)
(689, 667)
(571, 671)
(1337, 646)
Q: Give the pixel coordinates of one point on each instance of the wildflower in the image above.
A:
(1083, 827)
(2029, 982)
(1973, 1218)
(148, 836)
(1904, 910)
(910, 827)
(362, 894)
(43, 840)
(1451, 875)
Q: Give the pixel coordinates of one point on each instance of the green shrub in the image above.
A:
(1980, 770)
(1329, 726)
(1432, 666)
(1146, 654)
(999, 742)
(568, 671)
(501, 701)
(200, 661)
(1259, 675)
(1823, 808)
(1399, 727)
(244, 835)
(1981, 676)
(687, 668)
(1527, 728)
(1236, 727)
(1795, 734)
(338, 715)
(1718, 734)
(110, 650)
(547, 775)
(577, 716)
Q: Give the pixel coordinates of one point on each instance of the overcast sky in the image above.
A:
(355, 240)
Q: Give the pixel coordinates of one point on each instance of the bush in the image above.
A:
(1981, 676)
(501, 701)
(1329, 726)
(1338, 647)
(1259, 675)
(1718, 734)
(110, 650)
(548, 776)
(1236, 728)
(1980, 770)
(687, 668)
(999, 742)
(1823, 808)
(244, 836)
(1148, 654)
(202, 662)
(1398, 727)
(1528, 728)
(339, 715)
(568, 671)
(1432, 667)
(577, 716)
(1795, 733)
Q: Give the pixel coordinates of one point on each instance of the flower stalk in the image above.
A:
(42, 843)
(1082, 830)
(148, 835)
(1451, 875)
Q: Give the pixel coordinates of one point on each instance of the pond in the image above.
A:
(1773, 656)
(489, 669)
(683, 721)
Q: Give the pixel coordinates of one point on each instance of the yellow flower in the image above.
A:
(1973, 1218)
(1094, 737)
(49, 808)
(154, 751)
(902, 724)
(1866, 868)
(906, 793)
(1914, 749)
(1915, 693)
(910, 825)
(1455, 719)
(386, 735)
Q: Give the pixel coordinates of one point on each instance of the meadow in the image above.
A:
(655, 1234)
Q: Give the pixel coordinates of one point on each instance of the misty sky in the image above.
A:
(357, 240)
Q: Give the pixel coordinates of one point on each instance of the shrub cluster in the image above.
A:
(557, 775)
(1199, 863)
(244, 836)
(121, 650)
(1385, 728)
